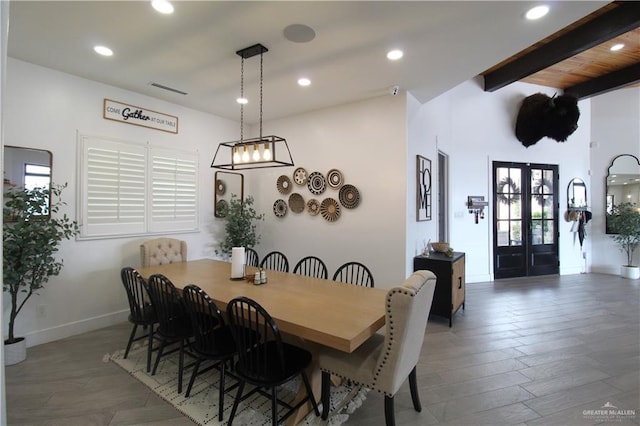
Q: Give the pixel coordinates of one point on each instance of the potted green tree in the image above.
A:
(240, 226)
(624, 221)
(31, 236)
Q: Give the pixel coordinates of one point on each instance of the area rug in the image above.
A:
(202, 404)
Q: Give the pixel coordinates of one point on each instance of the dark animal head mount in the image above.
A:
(541, 116)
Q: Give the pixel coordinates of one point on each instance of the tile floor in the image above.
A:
(535, 351)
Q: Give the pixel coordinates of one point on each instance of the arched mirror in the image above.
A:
(27, 168)
(577, 195)
(622, 182)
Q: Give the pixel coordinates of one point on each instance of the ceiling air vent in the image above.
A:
(171, 89)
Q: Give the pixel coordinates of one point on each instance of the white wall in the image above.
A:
(475, 128)
(44, 109)
(367, 142)
(422, 141)
(615, 130)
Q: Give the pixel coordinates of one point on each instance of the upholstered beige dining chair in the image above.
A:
(163, 250)
(384, 362)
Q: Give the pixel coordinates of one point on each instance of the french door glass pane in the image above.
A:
(503, 232)
(548, 232)
(536, 232)
(515, 208)
(516, 233)
(509, 232)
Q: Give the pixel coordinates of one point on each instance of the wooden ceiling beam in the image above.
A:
(619, 20)
(606, 83)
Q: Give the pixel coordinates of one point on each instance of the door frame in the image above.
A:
(527, 258)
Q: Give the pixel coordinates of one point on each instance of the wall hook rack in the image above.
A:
(476, 205)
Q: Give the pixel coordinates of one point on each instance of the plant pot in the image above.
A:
(630, 272)
(15, 352)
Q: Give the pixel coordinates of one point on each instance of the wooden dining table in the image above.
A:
(315, 311)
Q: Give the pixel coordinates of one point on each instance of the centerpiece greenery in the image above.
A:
(31, 237)
(240, 226)
(624, 220)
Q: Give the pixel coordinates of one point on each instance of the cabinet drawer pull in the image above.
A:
(459, 282)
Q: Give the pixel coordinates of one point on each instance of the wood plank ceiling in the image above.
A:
(578, 59)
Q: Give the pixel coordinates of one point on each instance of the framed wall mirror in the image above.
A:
(27, 168)
(576, 195)
(622, 182)
(226, 184)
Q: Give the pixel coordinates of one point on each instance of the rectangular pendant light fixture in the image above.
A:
(253, 153)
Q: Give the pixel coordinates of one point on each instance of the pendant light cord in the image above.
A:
(242, 97)
(261, 60)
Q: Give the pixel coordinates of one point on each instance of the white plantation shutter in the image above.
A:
(128, 188)
(173, 190)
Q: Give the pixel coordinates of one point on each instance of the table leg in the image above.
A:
(315, 379)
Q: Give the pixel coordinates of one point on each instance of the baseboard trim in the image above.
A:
(73, 328)
(478, 278)
(571, 271)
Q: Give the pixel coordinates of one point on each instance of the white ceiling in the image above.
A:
(193, 50)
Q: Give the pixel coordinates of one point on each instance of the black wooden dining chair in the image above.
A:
(213, 340)
(268, 363)
(175, 325)
(141, 311)
(311, 266)
(251, 257)
(275, 261)
(354, 273)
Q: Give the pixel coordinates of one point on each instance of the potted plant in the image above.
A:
(31, 236)
(624, 221)
(240, 226)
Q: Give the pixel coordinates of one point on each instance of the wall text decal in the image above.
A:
(131, 114)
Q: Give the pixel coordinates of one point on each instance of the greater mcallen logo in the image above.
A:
(609, 412)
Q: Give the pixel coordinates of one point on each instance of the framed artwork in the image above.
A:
(226, 184)
(423, 190)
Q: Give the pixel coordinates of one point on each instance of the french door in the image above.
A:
(525, 212)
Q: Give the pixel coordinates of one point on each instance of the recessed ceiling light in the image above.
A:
(103, 50)
(616, 47)
(304, 81)
(242, 101)
(394, 55)
(537, 12)
(162, 6)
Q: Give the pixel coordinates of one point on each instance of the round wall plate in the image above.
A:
(349, 196)
(296, 203)
(283, 184)
(280, 208)
(334, 178)
(221, 188)
(330, 209)
(316, 183)
(300, 176)
(313, 207)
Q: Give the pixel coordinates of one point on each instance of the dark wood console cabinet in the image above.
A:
(449, 294)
